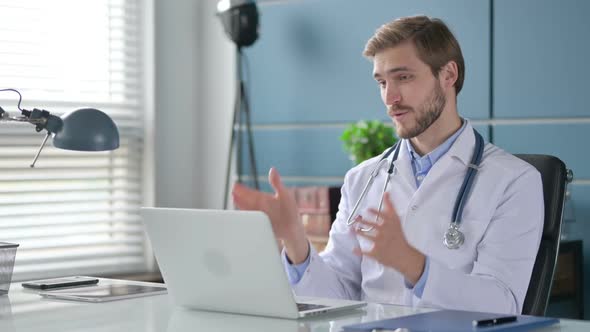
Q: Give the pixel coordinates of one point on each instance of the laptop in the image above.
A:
(227, 261)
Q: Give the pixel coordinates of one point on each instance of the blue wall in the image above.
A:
(525, 87)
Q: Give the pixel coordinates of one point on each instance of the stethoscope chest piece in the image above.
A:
(454, 238)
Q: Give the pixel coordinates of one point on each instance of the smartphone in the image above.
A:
(60, 282)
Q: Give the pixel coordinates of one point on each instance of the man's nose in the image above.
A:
(392, 96)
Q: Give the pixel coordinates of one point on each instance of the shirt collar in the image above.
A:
(426, 161)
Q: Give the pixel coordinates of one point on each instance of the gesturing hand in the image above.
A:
(390, 246)
(281, 208)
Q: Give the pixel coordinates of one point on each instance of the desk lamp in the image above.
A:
(85, 129)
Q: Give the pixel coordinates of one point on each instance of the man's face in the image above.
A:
(413, 96)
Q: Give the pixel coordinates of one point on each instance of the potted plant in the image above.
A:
(366, 139)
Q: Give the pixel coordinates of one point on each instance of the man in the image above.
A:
(419, 68)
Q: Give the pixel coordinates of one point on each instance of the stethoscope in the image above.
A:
(453, 237)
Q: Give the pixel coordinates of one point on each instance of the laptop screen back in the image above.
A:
(220, 260)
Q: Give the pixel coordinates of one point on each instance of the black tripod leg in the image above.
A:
(241, 104)
(232, 142)
(252, 156)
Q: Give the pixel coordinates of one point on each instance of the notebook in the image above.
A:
(227, 261)
(453, 321)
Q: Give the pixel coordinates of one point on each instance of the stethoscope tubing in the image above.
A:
(372, 177)
(473, 167)
(453, 238)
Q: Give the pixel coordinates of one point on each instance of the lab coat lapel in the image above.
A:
(460, 152)
(464, 145)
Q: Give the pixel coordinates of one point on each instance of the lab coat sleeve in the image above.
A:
(336, 272)
(506, 254)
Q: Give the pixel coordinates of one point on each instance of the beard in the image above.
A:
(426, 115)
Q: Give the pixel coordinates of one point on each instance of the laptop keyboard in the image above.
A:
(309, 306)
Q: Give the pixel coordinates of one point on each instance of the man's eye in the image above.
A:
(381, 84)
(404, 77)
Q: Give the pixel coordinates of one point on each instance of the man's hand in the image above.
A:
(390, 246)
(281, 208)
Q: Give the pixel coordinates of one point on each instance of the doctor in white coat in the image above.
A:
(402, 259)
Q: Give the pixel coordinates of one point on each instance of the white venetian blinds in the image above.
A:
(75, 212)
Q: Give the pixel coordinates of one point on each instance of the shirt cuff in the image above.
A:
(295, 271)
(418, 288)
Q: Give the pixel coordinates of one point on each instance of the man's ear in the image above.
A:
(448, 74)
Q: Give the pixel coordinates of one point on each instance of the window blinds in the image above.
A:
(75, 212)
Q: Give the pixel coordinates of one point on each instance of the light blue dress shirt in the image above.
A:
(420, 166)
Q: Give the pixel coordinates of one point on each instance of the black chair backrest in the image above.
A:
(554, 177)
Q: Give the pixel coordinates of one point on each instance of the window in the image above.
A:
(75, 212)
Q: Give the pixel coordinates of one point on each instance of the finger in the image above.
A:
(387, 213)
(248, 199)
(389, 208)
(375, 213)
(275, 181)
(365, 234)
(367, 223)
(353, 227)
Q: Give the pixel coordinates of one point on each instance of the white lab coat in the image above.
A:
(502, 223)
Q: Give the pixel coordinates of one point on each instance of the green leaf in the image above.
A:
(366, 139)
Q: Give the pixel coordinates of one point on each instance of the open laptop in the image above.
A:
(227, 261)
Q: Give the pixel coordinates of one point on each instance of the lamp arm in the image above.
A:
(40, 118)
(4, 116)
(40, 124)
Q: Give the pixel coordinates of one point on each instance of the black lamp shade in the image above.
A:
(87, 129)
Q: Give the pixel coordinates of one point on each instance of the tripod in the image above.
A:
(241, 118)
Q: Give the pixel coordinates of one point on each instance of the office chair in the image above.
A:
(554, 176)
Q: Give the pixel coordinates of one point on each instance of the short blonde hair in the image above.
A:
(434, 42)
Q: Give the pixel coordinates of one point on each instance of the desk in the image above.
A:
(23, 310)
